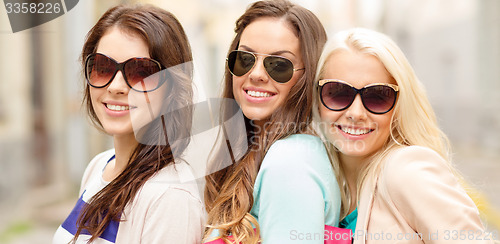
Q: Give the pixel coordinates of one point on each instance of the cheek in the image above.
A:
(285, 88)
(160, 98)
(237, 86)
(326, 125)
(328, 116)
(151, 104)
(385, 126)
(93, 97)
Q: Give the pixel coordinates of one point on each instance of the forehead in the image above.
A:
(358, 69)
(122, 45)
(269, 35)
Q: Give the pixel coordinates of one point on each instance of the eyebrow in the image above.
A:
(273, 53)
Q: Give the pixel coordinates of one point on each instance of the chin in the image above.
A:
(353, 153)
(352, 148)
(117, 130)
(255, 115)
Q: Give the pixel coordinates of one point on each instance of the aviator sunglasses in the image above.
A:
(279, 68)
(140, 74)
(378, 98)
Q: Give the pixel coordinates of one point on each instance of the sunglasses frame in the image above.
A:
(322, 82)
(121, 67)
(255, 57)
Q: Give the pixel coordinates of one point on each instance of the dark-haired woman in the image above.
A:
(283, 188)
(137, 63)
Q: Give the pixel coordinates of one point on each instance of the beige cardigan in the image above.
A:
(167, 209)
(417, 199)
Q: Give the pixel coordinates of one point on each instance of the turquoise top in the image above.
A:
(349, 222)
(296, 192)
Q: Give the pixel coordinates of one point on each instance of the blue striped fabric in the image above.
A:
(70, 224)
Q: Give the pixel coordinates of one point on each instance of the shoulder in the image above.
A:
(96, 165)
(414, 153)
(100, 160)
(406, 161)
(299, 142)
(167, 204)
(173, 183)
(414, 167)
(298, 159)
(296, 176)
(298, 150)
(423, 187)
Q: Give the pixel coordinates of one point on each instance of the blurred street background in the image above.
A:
(46, 141)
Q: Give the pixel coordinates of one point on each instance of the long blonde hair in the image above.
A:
(413, 121)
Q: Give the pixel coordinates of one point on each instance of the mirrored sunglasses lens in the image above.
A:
(239, 63)
(379, 99)
(143, 74)
(280, 69)
(99, 70)
(336, 95)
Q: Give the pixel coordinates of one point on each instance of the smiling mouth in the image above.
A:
(117, 107)
(258, 93)
(353, 131)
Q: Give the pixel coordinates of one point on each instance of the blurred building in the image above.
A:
(455, 49)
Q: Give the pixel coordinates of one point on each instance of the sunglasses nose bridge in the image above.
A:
(118, 82)
(258, 70)
(120, 67)
(356, 110)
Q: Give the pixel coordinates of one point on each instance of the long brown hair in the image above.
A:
(229, 192)
(168, 44)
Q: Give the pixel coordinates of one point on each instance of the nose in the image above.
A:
(356, 112)
(258, 72)
(118, 85)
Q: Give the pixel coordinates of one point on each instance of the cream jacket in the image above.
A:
(167, 208)
(417, 199)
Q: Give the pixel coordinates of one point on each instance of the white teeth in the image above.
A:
(258, 94)
(117, 107)
(356, 132)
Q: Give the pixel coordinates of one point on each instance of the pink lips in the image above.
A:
(354, 133)
(117, 109)
(258, 95)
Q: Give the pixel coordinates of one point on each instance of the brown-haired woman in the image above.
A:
(137, 63)
(283, 188)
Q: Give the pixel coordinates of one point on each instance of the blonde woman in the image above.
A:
(397, 181)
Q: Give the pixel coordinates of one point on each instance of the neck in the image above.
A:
(124, 147)
(259, 124)
(352, 166)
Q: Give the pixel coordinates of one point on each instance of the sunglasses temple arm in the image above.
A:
(147, 101)
(149, 106)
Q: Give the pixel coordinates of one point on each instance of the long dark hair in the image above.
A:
(229, 192)
(168, 44)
